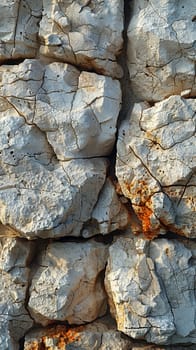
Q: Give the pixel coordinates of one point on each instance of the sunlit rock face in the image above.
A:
(76, 110)
(97, 175)
(161, 48)
(67, 285)
(19, 26)
(156, 163)
(51, 118)
(85, 33)
(151, 286)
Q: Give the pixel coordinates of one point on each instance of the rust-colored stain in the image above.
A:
(140, 191)
(61, 337)
(144, 214)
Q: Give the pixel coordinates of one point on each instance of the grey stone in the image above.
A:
(14, 275)
(151, 289)
(19, 22)
(161, 49)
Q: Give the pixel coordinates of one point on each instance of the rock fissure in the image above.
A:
(97, 175)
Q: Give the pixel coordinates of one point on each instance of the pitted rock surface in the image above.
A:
(67, 285)
(76, 110)
(156, 165)
(85, 33)
(87, 87)
(19, 21)
(14, 274)
(161, 49)
(39, 196)
(151, 287)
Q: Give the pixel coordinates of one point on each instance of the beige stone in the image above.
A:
(67, 285)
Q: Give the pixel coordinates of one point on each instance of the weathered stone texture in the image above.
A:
(40, 197)
(151, 289)
(99, 335)
(108, 215)
(68, 285)
(77, 110)
(161, 48)
(60, 101)
(156, 165)
(14, 274)
(19, 22)
(85, 33)
(48, 112)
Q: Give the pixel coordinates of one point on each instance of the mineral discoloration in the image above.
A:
(156, 164)
(101, 335)
(88, 161)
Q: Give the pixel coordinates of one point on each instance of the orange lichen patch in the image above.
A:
(138, 189)
(65, 336)
(60, 336)
(144, 214)
(140, 194)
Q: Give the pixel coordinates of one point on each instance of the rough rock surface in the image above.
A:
(161, 48)
(14, 274)
(108, 215)
(76, 110)
(100, 335)
(151, 289)
(67, 285)
(40, 197)
(85, 33)
(156, 165)
(62, 110)
(19, 22)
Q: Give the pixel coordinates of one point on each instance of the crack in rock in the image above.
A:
(156, 155)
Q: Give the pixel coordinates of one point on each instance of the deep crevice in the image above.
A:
(12, 61)
(128, 98)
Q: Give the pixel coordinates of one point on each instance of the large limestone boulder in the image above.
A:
(14, 275)
(40, 197)
(76, 110)
(161, 48)
(68, 284)
(156, 165)
(41, 193)
(85, 33)
(98, 335)
(151, 289)
(19, 22)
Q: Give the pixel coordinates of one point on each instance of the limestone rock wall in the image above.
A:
(97, 175)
